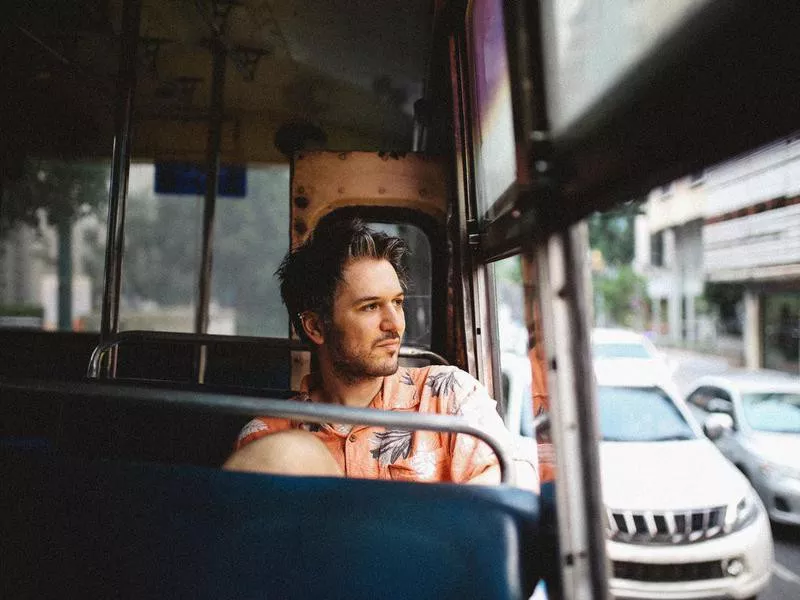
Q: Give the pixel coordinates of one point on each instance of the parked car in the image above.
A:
(630, 350)
(754, 419)
(682, 522)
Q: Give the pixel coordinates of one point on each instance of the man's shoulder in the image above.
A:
(431, 371)
(439, 373)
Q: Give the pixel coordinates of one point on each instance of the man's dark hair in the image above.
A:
(310, 274)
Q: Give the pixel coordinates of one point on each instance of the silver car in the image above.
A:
(754, 419)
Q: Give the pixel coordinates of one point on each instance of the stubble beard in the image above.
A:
(355, 367)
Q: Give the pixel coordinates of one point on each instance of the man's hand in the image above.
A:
(527, 478)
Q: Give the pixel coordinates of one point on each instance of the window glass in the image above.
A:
(522, 357)
(250, 239)
(494, 130)
(418, 296)
(590, 45)
(161, 263)
(161, 257)
(52, 238)
(699, 400)
(640, 415)
(513, 342)
(772, 411)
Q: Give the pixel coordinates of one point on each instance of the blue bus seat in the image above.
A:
(101, 529)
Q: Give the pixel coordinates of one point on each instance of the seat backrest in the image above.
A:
(108, 529)
(82, 425)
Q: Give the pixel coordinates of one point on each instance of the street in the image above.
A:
(785, 583)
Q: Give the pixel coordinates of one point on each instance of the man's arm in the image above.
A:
(473, 462)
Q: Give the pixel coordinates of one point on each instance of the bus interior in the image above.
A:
(158, 158)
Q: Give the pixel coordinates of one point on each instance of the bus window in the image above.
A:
(522, 118)
(161, 262)
(52, 231)
(417, 305)
(522, 356)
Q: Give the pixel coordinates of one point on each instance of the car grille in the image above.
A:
(665, 527)
(697, 571)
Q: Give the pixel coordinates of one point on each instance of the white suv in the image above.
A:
(682, 522)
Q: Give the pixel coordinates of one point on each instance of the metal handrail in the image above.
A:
(93, 372)
(311, 412)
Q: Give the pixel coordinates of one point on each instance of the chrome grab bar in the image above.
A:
(93, 372)
(311, 412)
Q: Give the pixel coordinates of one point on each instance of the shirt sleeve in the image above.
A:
(258, 428)
(470, 456)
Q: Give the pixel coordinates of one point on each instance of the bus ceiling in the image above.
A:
(719, 82)
(347, 69)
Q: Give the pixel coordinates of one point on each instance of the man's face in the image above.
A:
(363, 339)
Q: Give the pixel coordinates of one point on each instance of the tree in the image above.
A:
(621, 291)
(612, 232)
(62, 192)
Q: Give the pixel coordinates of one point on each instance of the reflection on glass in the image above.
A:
(513, 338)
(495, 151)
(590, 44)
(52, 237)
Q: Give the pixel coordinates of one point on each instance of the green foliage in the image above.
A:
(21, 310)
(67, 190)
(612, 232)
(621, 291)
(509, 269)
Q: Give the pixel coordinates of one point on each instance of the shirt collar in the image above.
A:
(400, 387)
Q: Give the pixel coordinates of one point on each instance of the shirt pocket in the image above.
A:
(423, 465)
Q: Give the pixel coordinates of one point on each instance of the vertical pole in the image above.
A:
(752, 338)
(65, 274)
(120, 162)
(562, 268)
(219, 58)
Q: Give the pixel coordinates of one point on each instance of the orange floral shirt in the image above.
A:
(375, 453)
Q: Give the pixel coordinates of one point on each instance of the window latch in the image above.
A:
(473, 234)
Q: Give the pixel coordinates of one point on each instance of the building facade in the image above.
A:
(669, 253)
(751, 236)
(737, 223)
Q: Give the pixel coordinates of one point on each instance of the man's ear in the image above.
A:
(312, 325)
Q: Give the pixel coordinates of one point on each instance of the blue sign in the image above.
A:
(190, 179)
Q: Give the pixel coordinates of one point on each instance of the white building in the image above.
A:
(669, 254)
(737, 223)
(752, 236)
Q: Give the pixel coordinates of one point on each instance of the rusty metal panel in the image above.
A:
(324, 181)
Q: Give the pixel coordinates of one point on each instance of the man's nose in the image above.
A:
(393, 319)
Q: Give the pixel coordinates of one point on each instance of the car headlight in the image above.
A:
(742, 513)
(775, 472)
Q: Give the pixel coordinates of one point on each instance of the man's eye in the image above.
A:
(399, 302)
(370, 307)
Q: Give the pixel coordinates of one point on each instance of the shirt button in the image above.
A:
(352, 437)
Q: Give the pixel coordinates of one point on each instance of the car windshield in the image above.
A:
(777, 412)
(619, 350)
(640, 415)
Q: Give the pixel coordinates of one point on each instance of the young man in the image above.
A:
(344, 290)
